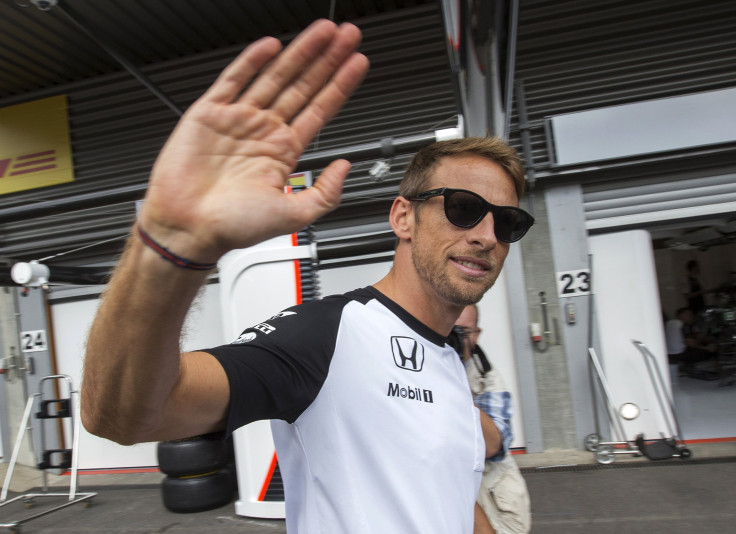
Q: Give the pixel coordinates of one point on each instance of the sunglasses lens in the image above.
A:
(511, 224)
(461, 331)
(466, 209)
(463, 209)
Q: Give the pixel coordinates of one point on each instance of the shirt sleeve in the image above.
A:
(497, 405)
(276, 368)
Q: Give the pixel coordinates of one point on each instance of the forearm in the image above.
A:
(492, 436)
(132, 357)
(496, 410)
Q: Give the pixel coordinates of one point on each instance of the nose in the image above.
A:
(483, 233)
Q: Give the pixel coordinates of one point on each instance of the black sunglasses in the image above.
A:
(464, 331)
(466, 209)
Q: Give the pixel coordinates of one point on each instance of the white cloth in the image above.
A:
(674, 337)
(503, 495)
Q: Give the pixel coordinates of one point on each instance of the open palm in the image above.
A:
(218, 183)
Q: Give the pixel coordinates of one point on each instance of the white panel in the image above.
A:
(343, 279)
(645, 127)
(71, 322)
(255, 284)
(627, 308)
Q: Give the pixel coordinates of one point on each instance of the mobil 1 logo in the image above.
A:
(410, 393)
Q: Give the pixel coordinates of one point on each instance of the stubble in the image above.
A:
(434, 269)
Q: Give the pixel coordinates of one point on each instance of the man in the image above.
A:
(686, 347)
(367, 398)
(693, 289)
(503, 501)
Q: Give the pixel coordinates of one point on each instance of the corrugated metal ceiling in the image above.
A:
(46, 49)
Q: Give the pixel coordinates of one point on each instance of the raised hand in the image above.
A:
(218, 183)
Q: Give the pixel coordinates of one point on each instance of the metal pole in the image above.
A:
(526, 143)
(16, 450)
(593, 389)
(659, 385)
(510, 64)
(618, 427)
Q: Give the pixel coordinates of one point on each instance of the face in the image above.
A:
(460, 264)
(469, 320)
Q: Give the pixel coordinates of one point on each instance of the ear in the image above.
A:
(401, 218)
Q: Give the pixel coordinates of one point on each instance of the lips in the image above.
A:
(472, 266)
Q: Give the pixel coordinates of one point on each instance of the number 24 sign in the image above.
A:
(573, 283)
(33, 340)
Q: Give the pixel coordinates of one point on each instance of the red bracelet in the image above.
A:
(170, 256)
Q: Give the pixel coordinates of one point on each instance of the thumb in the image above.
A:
(328, 186)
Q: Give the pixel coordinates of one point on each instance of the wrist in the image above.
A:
(171, 256)
(175, 241)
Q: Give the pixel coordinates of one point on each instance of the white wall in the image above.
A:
(70, 324)
(627, 307)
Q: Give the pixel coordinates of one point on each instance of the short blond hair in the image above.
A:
(419, 171)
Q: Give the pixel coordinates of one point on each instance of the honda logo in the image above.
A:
(408, 353)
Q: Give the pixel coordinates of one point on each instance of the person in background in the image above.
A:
(686, 347)
(503, 505)
(693, 289)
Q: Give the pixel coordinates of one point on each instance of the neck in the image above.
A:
(405, 288)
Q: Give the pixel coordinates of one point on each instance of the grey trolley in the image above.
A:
(654, 449)
(48, 409)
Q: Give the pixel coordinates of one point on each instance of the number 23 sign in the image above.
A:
(573, 283)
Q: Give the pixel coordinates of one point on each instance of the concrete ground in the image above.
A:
(570, 494)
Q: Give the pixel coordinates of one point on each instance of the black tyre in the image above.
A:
(233, 468)
(192, 456)
(198, 493)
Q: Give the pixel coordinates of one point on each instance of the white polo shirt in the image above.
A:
(376, 431)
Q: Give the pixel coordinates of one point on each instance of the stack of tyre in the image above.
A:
(200, 473)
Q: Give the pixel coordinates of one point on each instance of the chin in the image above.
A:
(464, 296)
(475, 292)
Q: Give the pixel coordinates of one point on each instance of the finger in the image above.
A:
(241, 71)
(292, 62)
(312, 79)
(331, 98)
(323, 197)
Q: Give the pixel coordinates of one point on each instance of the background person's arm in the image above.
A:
(491, 434)
(216, 186)
(495, 406)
